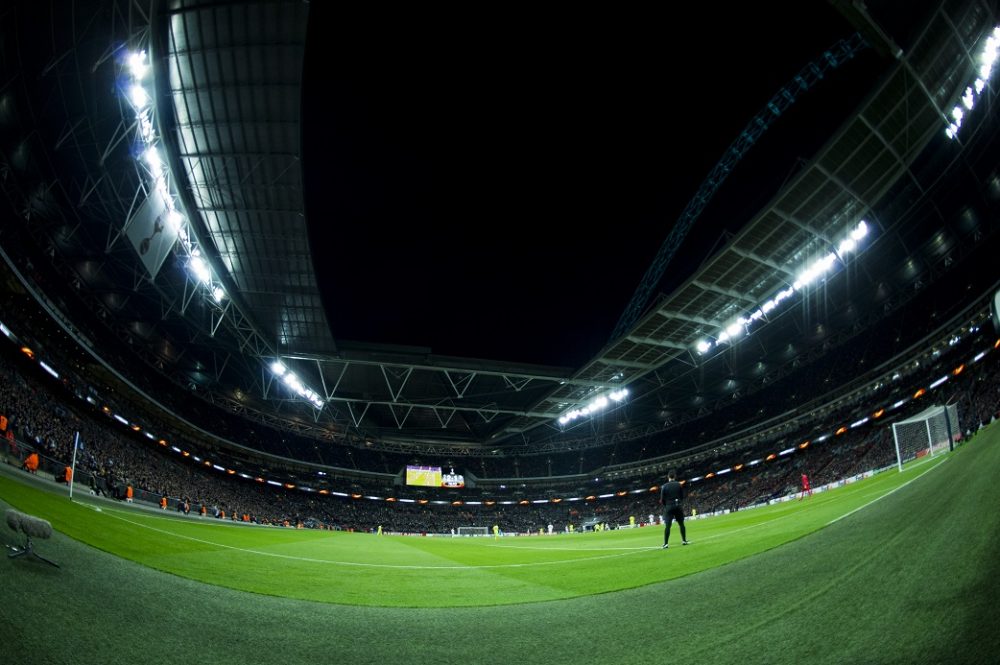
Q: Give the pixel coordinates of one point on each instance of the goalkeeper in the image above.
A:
(806, 489)
(672, 499)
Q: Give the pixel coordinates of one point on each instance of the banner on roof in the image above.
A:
(151, 235)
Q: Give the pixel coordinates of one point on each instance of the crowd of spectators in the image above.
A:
(896, 332)
(45, 415)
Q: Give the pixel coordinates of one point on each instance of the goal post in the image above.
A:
(931, 431)
(473, 531)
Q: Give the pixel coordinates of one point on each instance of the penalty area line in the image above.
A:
(889, 493)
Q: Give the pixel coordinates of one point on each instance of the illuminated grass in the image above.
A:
(363, 569)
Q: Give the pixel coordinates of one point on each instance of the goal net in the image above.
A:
(932, 430)
(473, 531)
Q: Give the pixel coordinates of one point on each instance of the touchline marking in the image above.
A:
(359, 564)
(627, 550)
(889, 493)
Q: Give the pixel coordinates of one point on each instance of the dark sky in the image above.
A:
(494, 184)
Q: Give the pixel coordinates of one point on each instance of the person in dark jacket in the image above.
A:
(672, 500)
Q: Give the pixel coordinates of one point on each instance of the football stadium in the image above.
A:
(499, 336)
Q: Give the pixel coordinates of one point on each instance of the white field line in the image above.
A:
(627, 550)
(373, 565)
(889, 493)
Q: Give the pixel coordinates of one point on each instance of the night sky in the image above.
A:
(494, 185)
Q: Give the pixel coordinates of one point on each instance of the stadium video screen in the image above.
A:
(424, 476)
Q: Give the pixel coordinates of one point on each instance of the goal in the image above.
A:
(473, 531)
(932, 430)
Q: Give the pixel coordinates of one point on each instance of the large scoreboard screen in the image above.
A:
(424, 476)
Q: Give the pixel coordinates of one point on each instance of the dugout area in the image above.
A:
(909, 577)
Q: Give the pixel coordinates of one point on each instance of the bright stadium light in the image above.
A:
(595, 405)
(200, 269)
(847, 246)
(175, 220)
(974, 91)
(294, 383)
(139, 97)
(137, 65)
(160, 184)
(152, 157)
(812, 273)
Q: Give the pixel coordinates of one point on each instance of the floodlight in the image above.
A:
(200, 269)
(152, 157)
(734, 329)
(164, 192)
(137, 64)
(846, 246)
(139, 97)
(967, 98)
(174, 219)
(218, 293)
(146, 127)
(703, 346)
(278, 367)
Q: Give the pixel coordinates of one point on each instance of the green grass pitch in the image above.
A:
(899, 567)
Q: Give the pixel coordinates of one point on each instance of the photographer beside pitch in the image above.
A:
(672, 498)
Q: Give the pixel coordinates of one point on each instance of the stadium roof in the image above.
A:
(226, 81)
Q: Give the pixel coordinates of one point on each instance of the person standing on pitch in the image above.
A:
(672, 498)
(806, 489)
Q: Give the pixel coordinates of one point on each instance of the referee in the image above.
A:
(672, 498)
